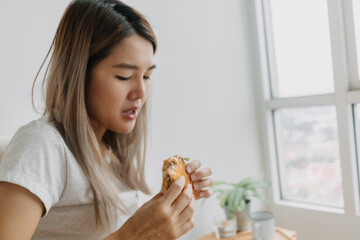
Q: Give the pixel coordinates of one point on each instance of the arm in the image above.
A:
(172, 224)
(165, 217)
(123, 233)
(20, 212)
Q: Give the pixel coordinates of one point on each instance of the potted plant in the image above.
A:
(235, 197)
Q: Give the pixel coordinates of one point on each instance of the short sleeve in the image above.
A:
(35, 160)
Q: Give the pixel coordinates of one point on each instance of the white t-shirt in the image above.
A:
(38, 159)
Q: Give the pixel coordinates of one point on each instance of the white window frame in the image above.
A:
(346, 93)
(349, 29)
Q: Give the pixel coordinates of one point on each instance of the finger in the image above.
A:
(188, 225)
(198, 185)
(183, 200)
(192, 166)
(203, 193)
(157, 196)
(187, 213)
(200, 174)
(175, 189)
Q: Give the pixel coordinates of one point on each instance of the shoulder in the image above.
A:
(35, 159)
(35, 141)
(36, 135)
(39, 130)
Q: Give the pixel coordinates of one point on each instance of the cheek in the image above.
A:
(102, 94)
(147, 89)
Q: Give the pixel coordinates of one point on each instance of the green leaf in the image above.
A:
(244, 182)
(231, 198)
(220, 191)
(186, 159)
(233, 195)
(248, 193)
(261, 184)
(238, 197)
(223, 197)
(217, 182)
(259, 196)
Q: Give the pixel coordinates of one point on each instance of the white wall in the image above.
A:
(27, 29)
(202, 102)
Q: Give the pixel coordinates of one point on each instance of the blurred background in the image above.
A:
(267, 89)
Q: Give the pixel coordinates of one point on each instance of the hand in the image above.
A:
(200, 179)
(166, 216)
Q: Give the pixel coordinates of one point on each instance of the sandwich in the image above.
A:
(173, 168)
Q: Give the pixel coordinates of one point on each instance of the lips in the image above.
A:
(133, 109)
(130, 113)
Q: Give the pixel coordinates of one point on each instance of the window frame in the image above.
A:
(345, 95)
(350, 37)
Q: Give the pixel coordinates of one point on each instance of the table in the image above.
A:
(280, 234)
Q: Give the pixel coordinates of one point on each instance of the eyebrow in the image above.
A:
(129, 66)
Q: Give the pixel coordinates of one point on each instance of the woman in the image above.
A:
(74, 173)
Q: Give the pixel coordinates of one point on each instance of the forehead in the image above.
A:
(133, 50)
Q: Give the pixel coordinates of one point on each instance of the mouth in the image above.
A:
(129, 111)
(130, 114)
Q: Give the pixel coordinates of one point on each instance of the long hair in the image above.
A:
(87, 33)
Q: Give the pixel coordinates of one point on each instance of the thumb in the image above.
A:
(175, 189)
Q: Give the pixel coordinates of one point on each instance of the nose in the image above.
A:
(138, 89)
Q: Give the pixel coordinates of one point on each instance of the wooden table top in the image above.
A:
(280, 234)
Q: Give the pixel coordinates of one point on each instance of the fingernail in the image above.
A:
(202, 195)
(193, 177)
(181, 180)
(196, 186)
(188, 169)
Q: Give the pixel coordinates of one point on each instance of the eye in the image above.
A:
(146, 77)
(123, 78)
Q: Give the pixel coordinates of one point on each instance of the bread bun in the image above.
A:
(173, 168)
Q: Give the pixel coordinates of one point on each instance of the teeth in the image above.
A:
(131, 111)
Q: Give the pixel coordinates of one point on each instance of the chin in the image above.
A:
(124, 129)
(127, 131)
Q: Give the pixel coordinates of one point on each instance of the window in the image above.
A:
(308, 155)
(301, 48)
(310, 114)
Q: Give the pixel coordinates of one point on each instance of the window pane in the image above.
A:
(356, 13)
(302, 48)
(308, 151)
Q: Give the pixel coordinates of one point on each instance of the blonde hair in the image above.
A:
(88, 31)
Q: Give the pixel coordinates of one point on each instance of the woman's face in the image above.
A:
(119, 86)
